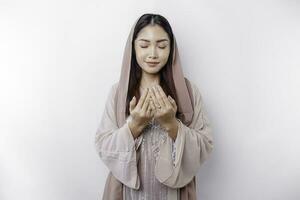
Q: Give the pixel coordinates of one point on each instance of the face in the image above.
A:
(152, 47)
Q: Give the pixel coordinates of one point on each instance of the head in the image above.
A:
(152, 42)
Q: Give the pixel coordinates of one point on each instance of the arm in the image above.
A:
(116, 146)
(193, 144)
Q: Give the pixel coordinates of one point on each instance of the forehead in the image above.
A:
(152, 33)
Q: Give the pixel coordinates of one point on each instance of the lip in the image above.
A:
(152, 63)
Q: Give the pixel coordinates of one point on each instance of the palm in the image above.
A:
(165, 108)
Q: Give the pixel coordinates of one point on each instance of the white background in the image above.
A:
(59, 59)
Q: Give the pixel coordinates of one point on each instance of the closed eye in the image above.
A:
(143, 47)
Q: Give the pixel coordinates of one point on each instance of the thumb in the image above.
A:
(132, 104)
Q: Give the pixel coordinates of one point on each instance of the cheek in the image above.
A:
(139, 56)
(140, 52)
(164, 56)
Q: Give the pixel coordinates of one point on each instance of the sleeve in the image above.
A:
(116, 146)
(179, 161)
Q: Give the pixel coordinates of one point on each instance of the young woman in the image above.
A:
(154, 133)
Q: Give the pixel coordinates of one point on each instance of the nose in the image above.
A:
(153, 53)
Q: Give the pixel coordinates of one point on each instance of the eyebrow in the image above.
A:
(161, 40)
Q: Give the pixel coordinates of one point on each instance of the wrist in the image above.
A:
(171, 124)
(135, 129)
(172, 128)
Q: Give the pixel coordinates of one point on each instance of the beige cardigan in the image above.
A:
(118, 149)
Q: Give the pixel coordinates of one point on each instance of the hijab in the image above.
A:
(113, 188)
(184, 103)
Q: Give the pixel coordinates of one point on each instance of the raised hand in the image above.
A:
(165, 110)
(141, 113)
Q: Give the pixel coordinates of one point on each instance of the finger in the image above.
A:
(163, 96)
(152, 105)
(159, 102)
(154, 109)
(170, 100)
(173, 103)
(155, 100)
(149, 109)
(146, 103)
(152, 112)
(142, 99)
(132, 104)
(159, 96)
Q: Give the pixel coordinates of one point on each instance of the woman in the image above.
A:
(154, 134)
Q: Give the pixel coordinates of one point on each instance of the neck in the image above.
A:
(149, 80)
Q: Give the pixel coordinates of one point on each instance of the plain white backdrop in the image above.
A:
(59, 58)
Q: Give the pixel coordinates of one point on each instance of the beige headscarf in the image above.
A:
(113, 187)
(184, 102)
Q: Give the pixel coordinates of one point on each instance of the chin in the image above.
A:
(152, 70)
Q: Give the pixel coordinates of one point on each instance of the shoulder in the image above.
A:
(194, 87)
(196, 94)
(113, 90)
(114, 87)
